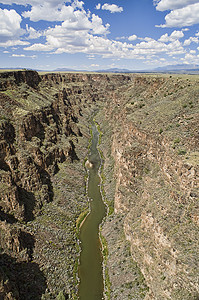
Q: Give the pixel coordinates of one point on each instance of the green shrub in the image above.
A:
(61, 296)
(182, 152)
(176, 141)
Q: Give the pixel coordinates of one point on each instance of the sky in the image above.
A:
(93, 35)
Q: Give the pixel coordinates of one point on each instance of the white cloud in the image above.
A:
(175, 35)
(113, 8)
(132, 37)
(185, 16)
(97, 26)
(94, 65)
(52, 3)
(191, 40)
(61, 40)
(164, 38)
(190, 59)
(75, 18)
(11, 43)
(147, 39)
(32, 33)
(45, 12)
(18, 55)
(39, 47)
(162, 5)
(98, 6)
(73, 34)
(10, 22)
(23, 55)
(10, 28)
(77, 4)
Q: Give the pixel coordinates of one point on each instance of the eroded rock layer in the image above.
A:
(149, 140)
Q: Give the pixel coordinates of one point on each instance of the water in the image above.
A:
(91, 277)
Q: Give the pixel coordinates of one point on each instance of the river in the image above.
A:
(90, 271)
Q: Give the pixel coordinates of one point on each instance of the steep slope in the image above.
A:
(154, 144)
(149, 140)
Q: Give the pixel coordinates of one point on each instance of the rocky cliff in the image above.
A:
(155, 148)
(150, 145)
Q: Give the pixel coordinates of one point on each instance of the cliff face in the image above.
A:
(34, 141)
(150, 144)
(155, 148)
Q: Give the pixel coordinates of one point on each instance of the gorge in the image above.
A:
(149, 145)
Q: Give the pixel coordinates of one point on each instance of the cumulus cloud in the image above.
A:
(45, 12)
(10, 22)
(10, 28)
(163, 5)
(32, 33)
(97, 26)
(191, 40)
(175, 35)
(132, 37)
(113, 8)
(59, 40)
(74, 33)
(185, 16)
(74, 16)
(190, 59)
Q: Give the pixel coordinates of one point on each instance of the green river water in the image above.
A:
(90, 271)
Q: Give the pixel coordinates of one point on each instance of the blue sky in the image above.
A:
(90, 34)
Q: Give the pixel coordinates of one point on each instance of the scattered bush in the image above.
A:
(176, 141)
(182, 152)
(61, 296)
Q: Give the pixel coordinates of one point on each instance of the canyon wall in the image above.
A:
(155, 148)
(149, 141)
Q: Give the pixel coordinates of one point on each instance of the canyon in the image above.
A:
(149, 143)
